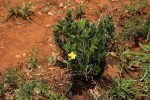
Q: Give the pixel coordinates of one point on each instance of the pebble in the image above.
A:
(48, 26)
(18, 56)
(39, 13)
(126, 11)
(61, 5)
(114, 0)
(24, 54)
(50, 13)
(36, 90)
(65, 7)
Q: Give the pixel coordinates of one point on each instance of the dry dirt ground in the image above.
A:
(18, 35)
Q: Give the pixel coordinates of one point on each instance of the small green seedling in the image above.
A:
(32, 61)
(23, 11)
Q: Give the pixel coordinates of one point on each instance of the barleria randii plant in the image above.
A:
(23, 11)
(84, 45)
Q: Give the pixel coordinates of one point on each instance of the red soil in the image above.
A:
(18, 35)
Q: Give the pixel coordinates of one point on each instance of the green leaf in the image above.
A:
(145, 47)
(93, 47)
(74, 46)
(50, 59)
(46, 9)
(66, 62)
(134, 53)
(67, 46)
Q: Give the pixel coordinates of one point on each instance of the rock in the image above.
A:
(18, 56)
(65, 7)
(36, 90)
(9, 96)
(46, 9)
(48, 26)
(59, 58)
(54, 55)
(24, 54)
(39, 13)
(50, 13)
(33, 7)
(126, 11)
(6, 86)
(61, 5)
(114, 0)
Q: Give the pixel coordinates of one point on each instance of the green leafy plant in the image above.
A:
(142, 58)
(122, 89)
(136, 28)
(104, 95)
(23, 11)
(32, 61)
(46, 9)
(79, 11)
(84, 45)
(1, 87)
(135, 6)
(32, 88)
(43, 88)
(25, 92)
(10, 77)
(54, 96)
(22, 88)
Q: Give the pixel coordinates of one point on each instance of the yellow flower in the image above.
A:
(72, 55)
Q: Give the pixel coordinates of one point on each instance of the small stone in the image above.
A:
(54, 55)
(126, 11)
(18, 56)
(47, 26)
(114, 0)
(24, 54)
(61, 5)
(59, 58)
(73, 8)
(65, 7)
(50, 13)
(113, 54)
(39, 13)
(54, 12)
(9, 96)
(6, 86)
(36, 90)
(91, 8)
(33, 7)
